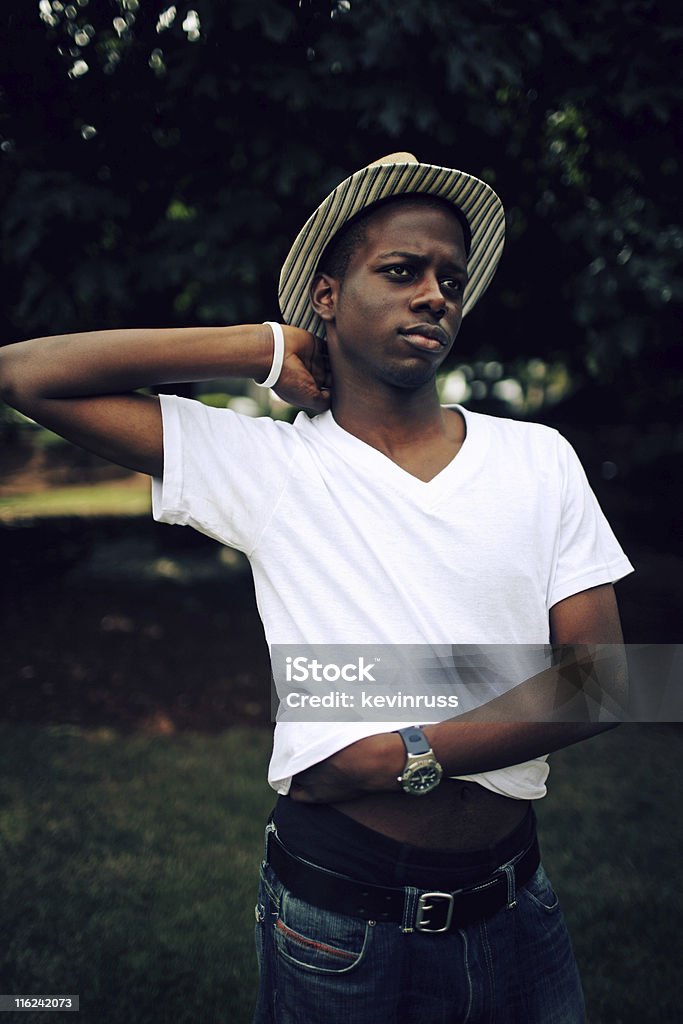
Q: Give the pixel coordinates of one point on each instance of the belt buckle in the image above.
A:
(425, 905)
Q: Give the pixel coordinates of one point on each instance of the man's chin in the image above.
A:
(411, 377)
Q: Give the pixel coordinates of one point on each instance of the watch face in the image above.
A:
(424, 778)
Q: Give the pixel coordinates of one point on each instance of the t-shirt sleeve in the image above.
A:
(588, 554)
(223, 471)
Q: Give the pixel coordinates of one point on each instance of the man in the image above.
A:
(401, 877)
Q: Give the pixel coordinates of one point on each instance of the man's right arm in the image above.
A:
(83, 386)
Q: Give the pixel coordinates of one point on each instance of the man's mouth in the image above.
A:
(429, 337)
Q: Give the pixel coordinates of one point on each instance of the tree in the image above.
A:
(157, 161)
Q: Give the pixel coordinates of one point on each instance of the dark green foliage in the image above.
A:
(214, 142)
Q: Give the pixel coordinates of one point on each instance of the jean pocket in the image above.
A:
(540, 891)
(318, 940)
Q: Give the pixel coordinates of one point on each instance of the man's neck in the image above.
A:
(409, 426)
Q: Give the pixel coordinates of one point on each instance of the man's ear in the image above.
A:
(323, 296)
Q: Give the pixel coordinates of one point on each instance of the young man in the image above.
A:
(401, 878)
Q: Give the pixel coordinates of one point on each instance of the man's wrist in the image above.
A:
(278, 355)
(422, 772)
(262, 346)
(434, 735)
(244, 350)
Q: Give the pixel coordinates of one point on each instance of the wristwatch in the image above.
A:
(422, 771)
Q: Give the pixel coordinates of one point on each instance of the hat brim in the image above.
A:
(476, 200)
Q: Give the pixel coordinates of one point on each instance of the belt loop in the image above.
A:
(509, 870)
(270, 830)
(409, 908)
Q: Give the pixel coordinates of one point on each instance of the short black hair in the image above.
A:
(339, 251)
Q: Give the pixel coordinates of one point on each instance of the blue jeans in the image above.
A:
(320, 967)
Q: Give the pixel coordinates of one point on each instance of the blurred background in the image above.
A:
(156, 162)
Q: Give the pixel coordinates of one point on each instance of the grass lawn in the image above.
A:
(128, 497)
(130, 870)
(130, 865)
(612, 835)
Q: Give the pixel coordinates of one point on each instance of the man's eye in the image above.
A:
(453, 285)
(400, 270)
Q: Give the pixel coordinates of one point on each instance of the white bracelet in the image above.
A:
(278, 355)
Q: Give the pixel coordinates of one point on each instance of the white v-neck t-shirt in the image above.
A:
(348, 548)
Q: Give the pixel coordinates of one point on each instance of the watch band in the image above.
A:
(415, 740)
(422, 772)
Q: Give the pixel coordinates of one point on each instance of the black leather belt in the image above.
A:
(416, 909)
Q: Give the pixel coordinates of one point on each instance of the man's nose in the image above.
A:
(428, 295)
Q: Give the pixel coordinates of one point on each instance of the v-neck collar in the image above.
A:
(425, 492)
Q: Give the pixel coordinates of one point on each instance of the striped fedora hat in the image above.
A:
(392, 175)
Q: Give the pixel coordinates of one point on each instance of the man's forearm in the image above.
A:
(112, 362)
(374, 764)
(542, 714)
(470, 748)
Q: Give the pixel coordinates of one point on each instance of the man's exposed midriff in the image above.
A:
(456, 815)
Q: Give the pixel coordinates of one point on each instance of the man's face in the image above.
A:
(399, 307)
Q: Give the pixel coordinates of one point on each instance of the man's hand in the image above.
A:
(363, 767)
(305, 380)
(326, 783)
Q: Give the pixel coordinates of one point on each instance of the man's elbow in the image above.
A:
(19, 385)
(10, 389)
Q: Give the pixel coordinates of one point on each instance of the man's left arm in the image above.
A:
(511, 729)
